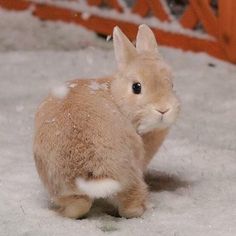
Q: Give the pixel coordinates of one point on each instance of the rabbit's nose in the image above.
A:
(163, 111)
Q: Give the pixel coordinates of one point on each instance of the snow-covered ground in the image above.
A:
(192, 178)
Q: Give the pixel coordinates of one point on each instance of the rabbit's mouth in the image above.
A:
(153, 121)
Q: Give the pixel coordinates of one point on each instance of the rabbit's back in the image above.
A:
(84, 135)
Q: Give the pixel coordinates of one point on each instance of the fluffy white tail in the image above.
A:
(98, 188)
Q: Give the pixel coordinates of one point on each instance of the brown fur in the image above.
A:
(108, 133)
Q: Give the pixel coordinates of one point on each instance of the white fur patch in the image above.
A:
(150, 123)
(98, 188)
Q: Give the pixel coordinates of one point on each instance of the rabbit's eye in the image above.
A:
(137, 88)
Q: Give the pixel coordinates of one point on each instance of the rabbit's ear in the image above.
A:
(124, 49)
(146, 40)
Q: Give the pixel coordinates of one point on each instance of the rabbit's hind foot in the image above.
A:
(74, 206)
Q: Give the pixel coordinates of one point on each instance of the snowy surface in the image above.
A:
(192, 178)
(22, 32)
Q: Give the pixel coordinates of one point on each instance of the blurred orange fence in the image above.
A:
(217, 36)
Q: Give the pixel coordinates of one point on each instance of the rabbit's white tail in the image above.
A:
(100, 188)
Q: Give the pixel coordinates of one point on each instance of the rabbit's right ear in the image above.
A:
(124, 49)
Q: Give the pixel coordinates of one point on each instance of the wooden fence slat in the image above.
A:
(158, 10)
(206, 15)
(94, 2)
(141, 7)
(227, 24)
(189, 19)
(15, 5)
(114, 4)
(111, 3)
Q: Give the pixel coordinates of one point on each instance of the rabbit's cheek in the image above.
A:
(170, 117)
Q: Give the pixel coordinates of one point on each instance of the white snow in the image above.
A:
(85, 15)
(192, 178)
(94, 86)
(108, 38)
(19, 108)
(73, 85)
(60, 91)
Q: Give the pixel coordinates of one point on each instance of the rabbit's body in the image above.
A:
(82, 136)
(97, 140)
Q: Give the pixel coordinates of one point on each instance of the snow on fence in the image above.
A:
(216, 34)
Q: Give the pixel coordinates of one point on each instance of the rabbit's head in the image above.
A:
(143, 87)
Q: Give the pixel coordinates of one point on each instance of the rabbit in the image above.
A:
(97, 140)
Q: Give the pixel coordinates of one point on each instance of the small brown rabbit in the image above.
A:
(97, 141)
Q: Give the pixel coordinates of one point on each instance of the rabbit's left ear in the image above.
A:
(146, 40)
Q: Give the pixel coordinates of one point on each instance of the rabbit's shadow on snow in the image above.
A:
(161, 181)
